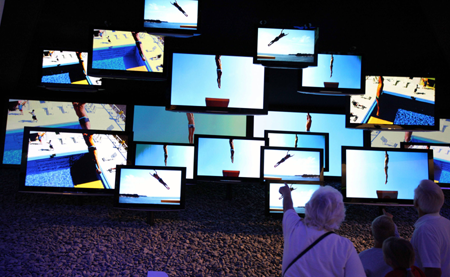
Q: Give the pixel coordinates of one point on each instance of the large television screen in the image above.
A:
(57, 114)
(166, 154)
(333, 124)
(300, 193)
(334, 74)
(70, 160)
(155, 124)
(227, 158)
(216, 83)
(150, 187)
(384, 175)
(126, 54)
(395, 103)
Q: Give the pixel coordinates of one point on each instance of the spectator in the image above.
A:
(399, 254)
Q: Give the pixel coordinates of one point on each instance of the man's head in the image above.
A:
(383, 227)
(428, 197)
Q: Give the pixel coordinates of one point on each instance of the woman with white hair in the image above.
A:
(311, 248)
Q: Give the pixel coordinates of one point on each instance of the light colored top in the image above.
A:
(373, 262)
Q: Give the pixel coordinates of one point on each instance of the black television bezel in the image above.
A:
(376, 201)
(222, 178)
(150, 207)
(123, 74)
(136, 143)
(326, 162)
(281, 64)
(334, 91)
(392, 127)
(403, 144)
(65, 190)
(205, 109)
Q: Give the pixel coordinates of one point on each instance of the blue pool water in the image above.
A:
(117, 58)
(404, 117)
(62, 78)
(112, 63)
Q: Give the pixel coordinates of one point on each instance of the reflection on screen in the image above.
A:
(301, 193)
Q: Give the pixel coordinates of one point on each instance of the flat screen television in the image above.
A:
(300, 193)
(71, 160)
(286, 47)
(302, 140)
(216, 84)
(173, 18)
(384, 175)
(166, 154)
(289, 164)
(333, 124)
(66, 70)
(126, 54)
(394, 103)
(335, 74)
(226, 158)
(57, 114)
(156, 124)
(441, 159)
(150, 188)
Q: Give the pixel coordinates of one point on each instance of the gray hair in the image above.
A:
(383, 227)
(429, 197)
(325, 210)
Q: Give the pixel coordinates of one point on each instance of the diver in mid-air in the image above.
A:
(283, 159)
(179, 8)
(278, 37)
(160, 179)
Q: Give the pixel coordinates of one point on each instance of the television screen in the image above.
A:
(227, 158)
(150, 187)
(302, 140)
(67, 70)
(216, 83)
(334, 74)
(279, 47)
(291, 164)
(126, 54)
(57, 114)
(301, 193)
(333, 124)
(393, 102)
(384, 175)
(441, 159)
(69, 160)
(166, 154)
(155, 124)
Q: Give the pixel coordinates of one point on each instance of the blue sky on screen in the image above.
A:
(302, 162)
(163, 10)
(140, 181)
(297, 41)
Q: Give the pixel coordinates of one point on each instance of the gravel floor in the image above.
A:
(52, 235)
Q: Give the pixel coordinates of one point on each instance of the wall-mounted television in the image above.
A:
(226, 158)
(286, 47)
(66, 70)
(301, 140)
(71, 160)
(150, 188)
(57, 114)
(384, 175)
(289, 164)
(126, 54)
(394, 103)
(166, 154)
(216, 84)
(335, 74)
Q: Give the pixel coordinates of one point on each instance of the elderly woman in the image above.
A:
(333, 255)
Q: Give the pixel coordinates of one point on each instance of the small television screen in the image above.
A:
(221, 158)
(72, 161)
(150, 187)
(300, 193)
(166, 154)
(383, 175)
(156, 124)
(335, 74)
(441, 159)
(67, 70)
(300, 139)
(126, 54)
(394, 103)
(216, 84)
(57, 114)
(286, 48)
(333, 124)
(286, 164)
(172, 18)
